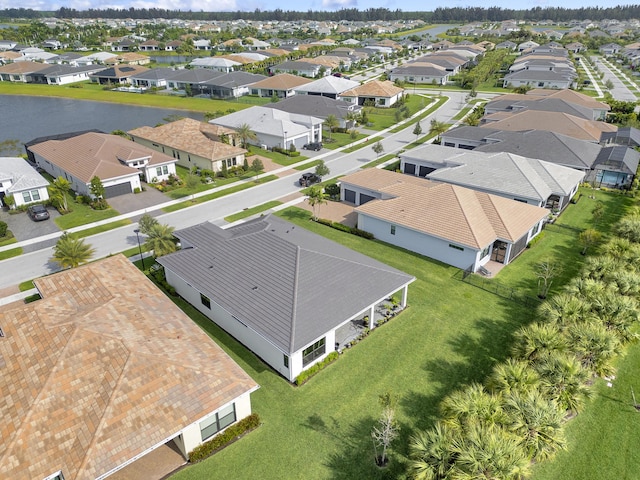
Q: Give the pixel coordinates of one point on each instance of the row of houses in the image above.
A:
(546, 66)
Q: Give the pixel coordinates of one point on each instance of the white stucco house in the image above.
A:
(454, 225)
(22, 181)
(120, 163)
(113, 376)
(265, 283)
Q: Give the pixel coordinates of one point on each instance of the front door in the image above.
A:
(499, 251)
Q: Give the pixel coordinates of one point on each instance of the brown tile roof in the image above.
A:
(102, 368)
(282, 81)
(569, 96)
(192, 136)
(374, 88)
(450, 212)
(23, 67)
(96, 154)
(237, 58)
(558, 122)
(128, 57)
(10, 55)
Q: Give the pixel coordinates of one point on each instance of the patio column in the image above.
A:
(405, 291)
(372, 311)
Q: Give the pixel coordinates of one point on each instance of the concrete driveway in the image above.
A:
(138, 201)
(24, 228)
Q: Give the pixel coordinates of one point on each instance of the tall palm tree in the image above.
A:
(538, 423)
(245, 133)
(432, 454)
(331, 122)
(514, 376)
(536, 341)
(437, 128)
(160, 239)
(315, 198)
(60, 187)
(564, 380)
(69, 252)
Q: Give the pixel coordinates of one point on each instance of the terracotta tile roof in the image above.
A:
(450, 212)
(96, 154)
(558, 122)
(374, 88)
(282, 81)
(237, 58)
(102, 368)
(192, 136)
(24, 67)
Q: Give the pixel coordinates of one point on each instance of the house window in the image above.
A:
(285, 359)
(206, 301)
(165, 169)
(31, 196)
(55, 476)
(485, 252)
(456, 247)
(393, 229)
(312, 352)
(158, 171)
(218, 421)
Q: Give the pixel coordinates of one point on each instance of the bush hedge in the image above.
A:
(3, 229)
(220, 441)
(346, 228)
(310, 372)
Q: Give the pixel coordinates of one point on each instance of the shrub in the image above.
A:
(230, 435)
(3, 229)
(137, 190)
(333, 190)
(310, 372)
(535, 239)
(362, 233)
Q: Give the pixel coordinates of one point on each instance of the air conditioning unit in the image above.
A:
(263, 146)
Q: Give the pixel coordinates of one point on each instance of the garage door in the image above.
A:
(365, 198)
(410, 168)
(349, 196)
(424, 171)
(115, 190)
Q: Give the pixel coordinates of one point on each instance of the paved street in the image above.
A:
(36, 264)
(619, 91)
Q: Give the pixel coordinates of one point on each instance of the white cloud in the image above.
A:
(338, 4)
(193, 5)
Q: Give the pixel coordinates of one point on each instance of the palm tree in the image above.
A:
(564, 380)
(597, 267)
(437, 128)
(537, 341)
(514, 376)
(564, 309)
(538, 423)
(69, 252)
(432, 454)
(160, 239)
(315, 198)
(245, 133)
(331, 122)
(629, 228)
(617, 313)
(471, 405)
(60, 188)
(595, 346)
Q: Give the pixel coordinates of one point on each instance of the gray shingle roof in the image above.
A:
(22, 175)
(321, 106)
(284, 282)
(619, 159)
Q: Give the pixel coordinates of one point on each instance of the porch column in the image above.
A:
(372, 311)
(405, 292)
(507, 253)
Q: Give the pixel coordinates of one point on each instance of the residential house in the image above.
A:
(610, 49)
(527, 45)
(231, 85)
(275, 128)
(66, 74)
(153, 78)
(22, 181)
(298, 67)
(128, 58)
(458, 226)
(271, 303)
(124, 45)
(281, 85)
(508, 44)
(203, 44)
(105, 371)
(527, 180)
(330, 87)
(173, 46)
(193, 80)
(117, 162)
(321, 107)
(149, 46)
(117, 75)
(217, 64)
(615, 167)
(98, 57)
(375, 93)
(420, 72)
(193, 143)
(24, 72)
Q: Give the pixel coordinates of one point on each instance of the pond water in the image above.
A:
(24, 118)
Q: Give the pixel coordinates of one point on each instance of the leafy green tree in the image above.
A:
(564, 380)
(378, 148)
(191, 182)
(589, 238)
(257, 166)
(322, 170)
(594, 346)
(145, 223)
(96, 187)
(160, 239)
(629, 228)
(565, 309)
(417, 130)
(315, 198)
(69, 252)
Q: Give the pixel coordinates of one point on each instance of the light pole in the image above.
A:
(137, 231)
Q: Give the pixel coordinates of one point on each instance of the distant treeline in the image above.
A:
(439, 15)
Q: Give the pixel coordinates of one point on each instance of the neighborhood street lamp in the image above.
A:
(137, 232)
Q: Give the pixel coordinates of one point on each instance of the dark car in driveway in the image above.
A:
(38, 213)
(312, 146)
(308, 179)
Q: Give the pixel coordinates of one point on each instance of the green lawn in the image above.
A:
(252, 211)
(279, 158)
(102, 228)
(82, 214)
(324, 427)
(14, 252)
(304, 166)
(339, 139)
(183, 192)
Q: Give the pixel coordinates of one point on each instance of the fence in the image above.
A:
(492, 286)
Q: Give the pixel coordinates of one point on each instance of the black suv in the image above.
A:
(38, 212)
(312, 146)
(308, 179)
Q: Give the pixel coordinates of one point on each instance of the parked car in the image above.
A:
(308, 179)
(312, 146)
(38, 213)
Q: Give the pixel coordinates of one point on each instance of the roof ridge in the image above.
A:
(294, 303)
(457, 191)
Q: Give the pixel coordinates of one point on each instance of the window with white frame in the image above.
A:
(314, 351)
(218, 421)
(31, 196)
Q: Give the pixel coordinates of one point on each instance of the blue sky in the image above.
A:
(233, 5)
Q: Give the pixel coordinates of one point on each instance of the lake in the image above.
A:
(25, 118)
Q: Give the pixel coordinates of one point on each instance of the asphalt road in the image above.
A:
(619, 91)
(35, 264)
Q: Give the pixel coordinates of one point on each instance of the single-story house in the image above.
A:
(65, 74)
(231, 85)
(153, 78)
(616, 166)
(553, 78)
(118, 162)
(128, 58)
(377, 93)
(217, 64)
(452, 224)
(193, 143)
(98, 57)
(329, 86)
(22, 181)
(281, 290)
(21, 71)
(281, 85)
(527, 180)
(610, 49)
(298, 67)
(103, 370)
(193, 79)
(321, 107)
(420, 72)
(118, 74)
(275, 128)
